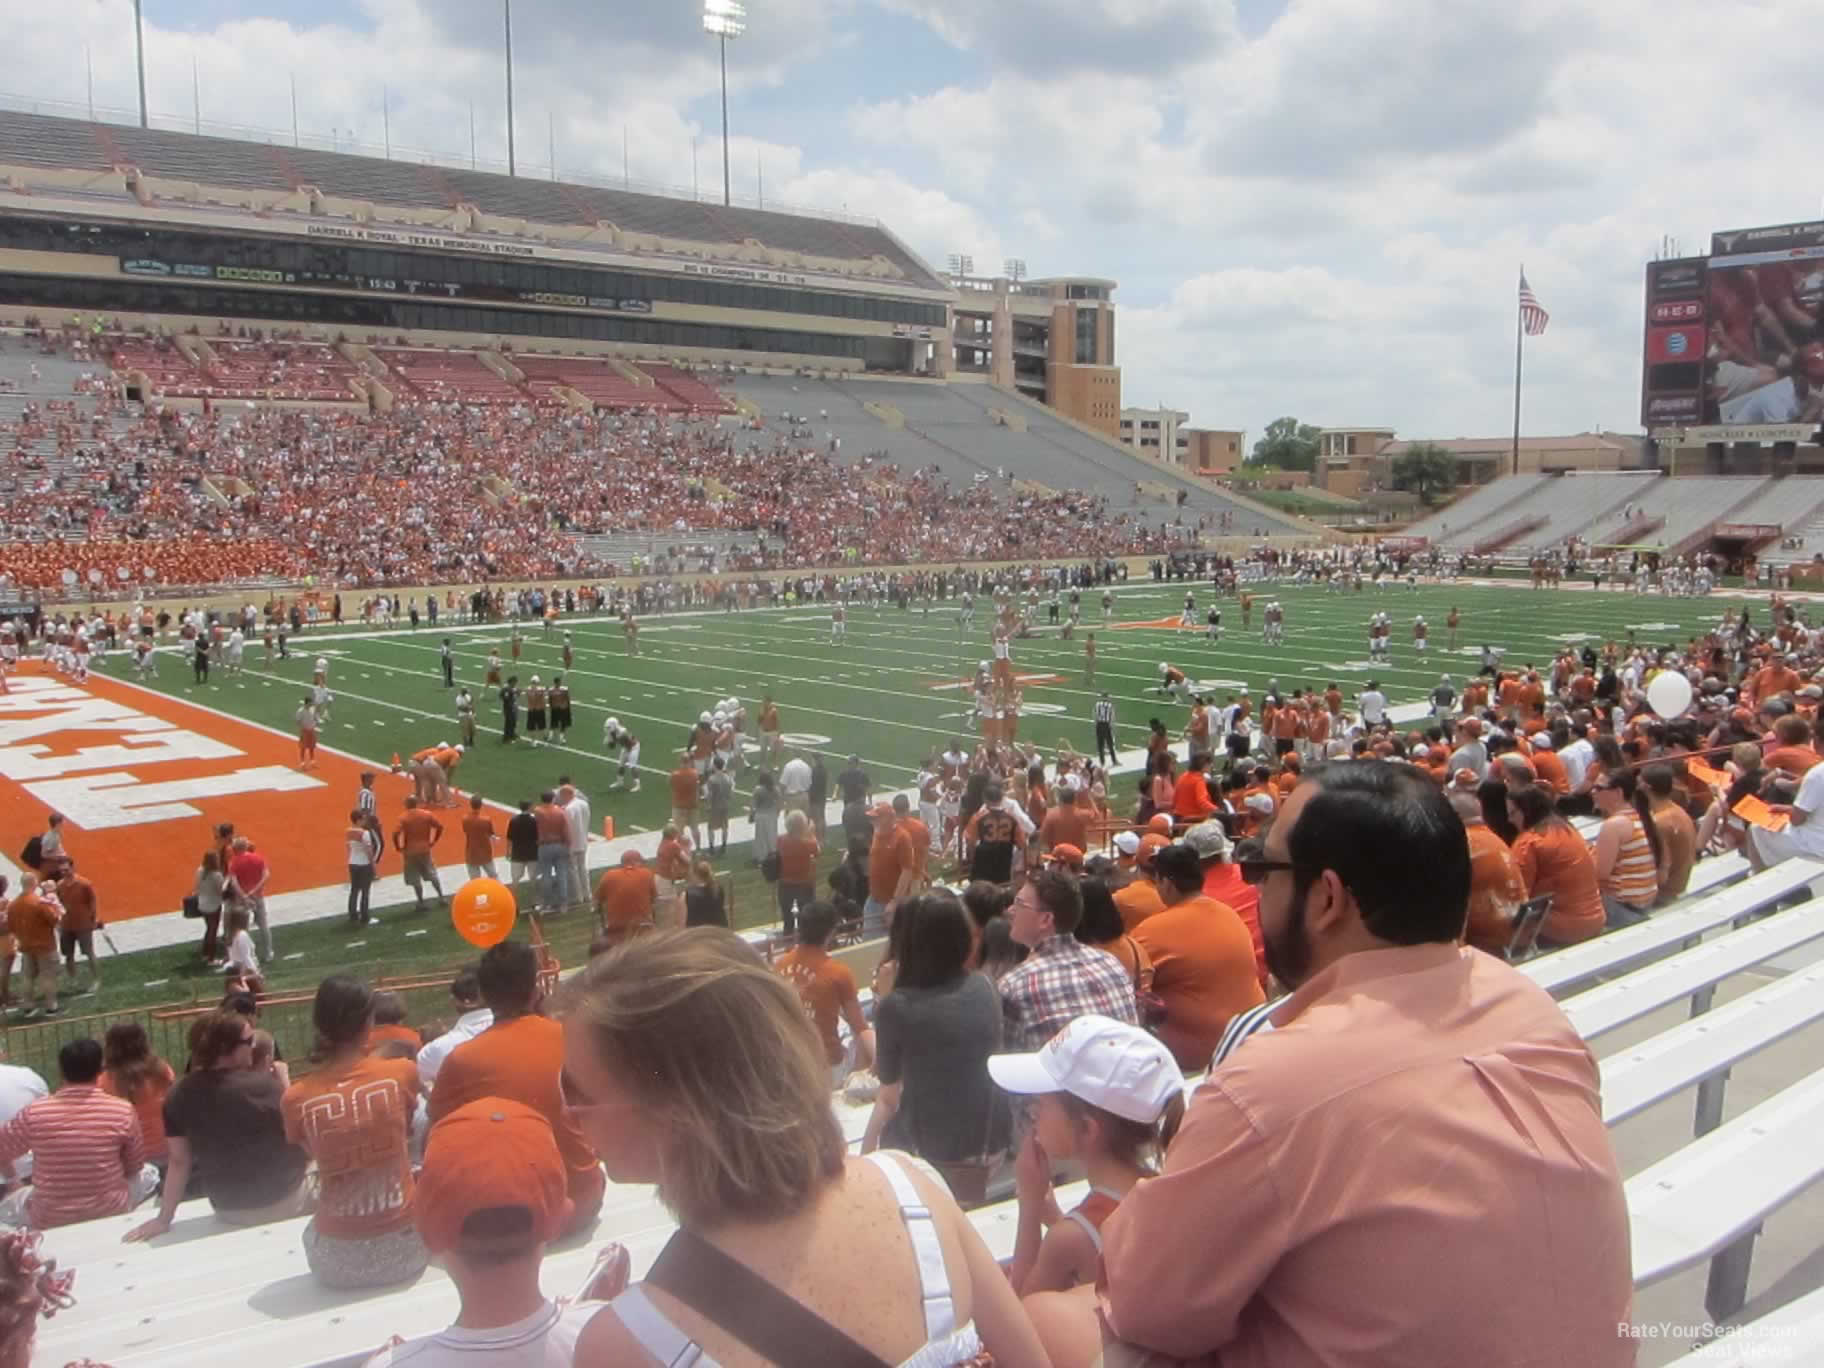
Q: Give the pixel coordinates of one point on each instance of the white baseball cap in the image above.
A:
(1127, 842)
(1106, 1063)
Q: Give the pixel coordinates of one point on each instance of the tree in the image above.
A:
(1427, 470)
(1287, 444)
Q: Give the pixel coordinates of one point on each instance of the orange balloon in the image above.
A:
(483, 911)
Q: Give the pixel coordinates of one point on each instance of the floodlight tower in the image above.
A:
(725, 19)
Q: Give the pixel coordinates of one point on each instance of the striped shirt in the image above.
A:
(1105, 711)
(1634, 877)
(367, 801)
(84, 1145)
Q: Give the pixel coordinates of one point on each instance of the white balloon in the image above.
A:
(69, 577)
(1669, 694)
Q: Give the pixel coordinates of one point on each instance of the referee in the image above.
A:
(1105, 728)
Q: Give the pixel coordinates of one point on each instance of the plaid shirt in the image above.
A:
(1061, 980)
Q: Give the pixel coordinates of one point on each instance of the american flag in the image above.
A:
(1533, 316)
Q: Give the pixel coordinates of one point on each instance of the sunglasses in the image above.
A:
(1255, 871)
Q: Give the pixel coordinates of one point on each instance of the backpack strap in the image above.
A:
(731, 1295)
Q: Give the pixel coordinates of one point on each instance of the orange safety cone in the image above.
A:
(396, 765)
(607, 828)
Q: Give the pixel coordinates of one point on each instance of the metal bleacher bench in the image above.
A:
(1791, 1337)
(1700, 910)
(209, 1294)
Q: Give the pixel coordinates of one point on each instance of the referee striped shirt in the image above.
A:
(1105, 711)
(367, 801)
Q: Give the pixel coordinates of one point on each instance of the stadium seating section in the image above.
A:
(57, 143)
(211, 1293)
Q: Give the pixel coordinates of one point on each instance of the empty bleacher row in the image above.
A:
(1673, 1006)
(953, 427)
(1535, 512)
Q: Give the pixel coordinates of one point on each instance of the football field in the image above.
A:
(143, 774)
(895, 690)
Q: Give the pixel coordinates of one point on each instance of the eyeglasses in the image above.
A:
(1255, 871)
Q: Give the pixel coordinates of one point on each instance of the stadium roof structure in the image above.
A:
(77, 144)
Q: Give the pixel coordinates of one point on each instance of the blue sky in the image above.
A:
(1313, 207)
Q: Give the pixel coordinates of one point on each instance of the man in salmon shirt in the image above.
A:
(626, 898)
(1548, 766)
(918, 834)
(1363, 884)
(521, 1058)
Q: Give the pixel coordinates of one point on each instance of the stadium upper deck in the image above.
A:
(170, 224)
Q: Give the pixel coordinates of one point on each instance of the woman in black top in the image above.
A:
(703, 901)
(934, 1032)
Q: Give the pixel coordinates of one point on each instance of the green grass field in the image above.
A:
(872, 696)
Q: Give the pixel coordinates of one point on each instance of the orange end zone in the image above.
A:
(142, 779)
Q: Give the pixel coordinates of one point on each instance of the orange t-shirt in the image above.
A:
(797, 859)
(889, 857)
(1138, 901)
(149, 1106)
(520, 1060)
(1558, 861)
(1550, 769)
(1191, 795)
(477, 838)
(919, 835)
(33, 924)
(826, 987)
(672, 862)
(684, 788)
(1496, 890)
(1794, 760)
(405, 1035)
(1203, 971)
(354, 1119)
(625, 896)
(419, 831)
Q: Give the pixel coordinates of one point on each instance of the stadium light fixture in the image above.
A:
(507, 6)
(724, 19)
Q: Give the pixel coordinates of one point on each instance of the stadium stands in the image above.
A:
(1456, 521)
(1675, 513)
(950, 426)
(209, 1293)
(594, 378)
(449, 376)
(280, 370)
(47, 141)
(695, 395)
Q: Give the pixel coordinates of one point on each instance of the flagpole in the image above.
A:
(1518, 338)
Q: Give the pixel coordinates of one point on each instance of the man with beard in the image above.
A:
(1419, 1116)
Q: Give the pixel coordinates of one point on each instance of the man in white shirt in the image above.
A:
(1576, 759)
(1806, 834)
(1373, 704)
(795, 784)
(465, 993)
(19, 1087)
(578, 817)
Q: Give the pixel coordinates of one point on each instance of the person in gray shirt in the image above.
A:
(719, 790)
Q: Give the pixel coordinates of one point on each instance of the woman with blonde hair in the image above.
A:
(691, 1065)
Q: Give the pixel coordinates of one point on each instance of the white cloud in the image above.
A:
(1323, 219)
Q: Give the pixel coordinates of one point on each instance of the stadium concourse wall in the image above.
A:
(310, 330)
(231, 596)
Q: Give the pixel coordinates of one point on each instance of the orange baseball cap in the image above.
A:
(490, 1153)
(1159, 822)
(1150, 845)
(1065, 853)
